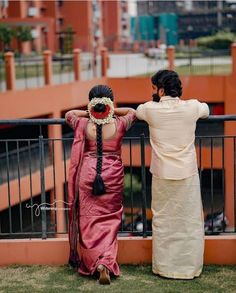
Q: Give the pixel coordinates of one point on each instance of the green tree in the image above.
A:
(23, 34)
(221, 40)
(69, 38)
(136, 184)
(6, 35)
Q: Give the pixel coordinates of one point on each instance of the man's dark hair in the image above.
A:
(169, 81)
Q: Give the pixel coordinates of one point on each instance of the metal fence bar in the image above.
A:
(212, 188)
(42, 181)
(19, 184)
(8, 187)
(131, 185)
(223, 181)
(143, 173)
(31, 187)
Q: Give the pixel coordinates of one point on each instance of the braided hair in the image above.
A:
(99, 91)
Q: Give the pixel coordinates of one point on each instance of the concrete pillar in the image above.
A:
(57, 195)
(233, 56)
(105, 61)
(171, 57)
(10, 71)
(135, 47)
(181, 43)
(47, 59)
(76, 61)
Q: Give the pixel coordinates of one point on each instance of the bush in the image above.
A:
(221, 40)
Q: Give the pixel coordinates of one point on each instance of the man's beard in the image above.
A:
(156, 98)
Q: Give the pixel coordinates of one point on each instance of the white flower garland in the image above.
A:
(105, 101)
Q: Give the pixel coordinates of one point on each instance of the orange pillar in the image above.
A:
(57, 195)
(105, 61)
(233, 56)
(10, 71)
(171, 57)
(47, 58)
(76, 61)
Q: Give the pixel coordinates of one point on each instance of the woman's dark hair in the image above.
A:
(99, 91)
(169, 81)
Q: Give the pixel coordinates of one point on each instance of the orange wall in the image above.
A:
(219, 250)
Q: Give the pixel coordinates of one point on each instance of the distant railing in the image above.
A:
(25, 208)
(190, 61)
(29, 71)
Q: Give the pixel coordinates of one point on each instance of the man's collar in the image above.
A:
(166, 98)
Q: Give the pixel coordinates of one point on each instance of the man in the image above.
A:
(178, 223)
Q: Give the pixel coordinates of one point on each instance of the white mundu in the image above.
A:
(178, 223)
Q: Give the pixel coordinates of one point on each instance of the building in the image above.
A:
(63, 25)
(195, 18)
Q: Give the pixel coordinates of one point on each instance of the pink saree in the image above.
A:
(95, 218)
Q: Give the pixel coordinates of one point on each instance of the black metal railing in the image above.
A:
(190, 61)
(29, 168)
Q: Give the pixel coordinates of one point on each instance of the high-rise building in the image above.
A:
(62, 25)
(195, 18)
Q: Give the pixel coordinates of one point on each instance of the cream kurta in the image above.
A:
(178, 223)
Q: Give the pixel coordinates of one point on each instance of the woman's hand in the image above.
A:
(123, 111)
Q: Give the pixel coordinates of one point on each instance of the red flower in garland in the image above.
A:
(101, 115)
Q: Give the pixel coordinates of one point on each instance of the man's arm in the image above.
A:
(203, 110)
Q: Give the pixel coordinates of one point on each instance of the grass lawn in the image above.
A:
(220, 69)
(18, 278)
(204, 69)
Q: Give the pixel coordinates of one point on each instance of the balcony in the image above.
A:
(34, 177)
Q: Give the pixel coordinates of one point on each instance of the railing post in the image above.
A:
(144, 189)
(47, 58)
(105, 61)
(42, 183)
(171, 57)
(10, 71)
(76, 62)
(233, 56)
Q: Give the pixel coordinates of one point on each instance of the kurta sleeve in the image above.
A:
(141, 112)
(203, 110)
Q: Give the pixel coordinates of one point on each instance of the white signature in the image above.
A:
(47, 206)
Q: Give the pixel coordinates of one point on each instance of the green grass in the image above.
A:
(133, 279)
(220, 69)
(204, 69)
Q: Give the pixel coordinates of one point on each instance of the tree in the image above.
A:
(221, 40)
(6, 35)
(23, 34)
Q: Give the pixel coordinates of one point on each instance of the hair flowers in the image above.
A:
(101, 117)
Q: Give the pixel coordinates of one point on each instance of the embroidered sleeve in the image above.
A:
(71, 119)
(128, 119)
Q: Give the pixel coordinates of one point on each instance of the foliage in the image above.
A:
(23, 34)
(136, 184)
(6, 34)
(221, 40)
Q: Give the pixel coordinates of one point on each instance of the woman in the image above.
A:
(95, 183)
(178, 224)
